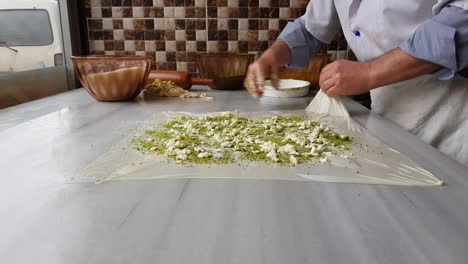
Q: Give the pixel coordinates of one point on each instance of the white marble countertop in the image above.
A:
(45, 220)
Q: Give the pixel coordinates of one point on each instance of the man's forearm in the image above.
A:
(396, 66)
(277, 54)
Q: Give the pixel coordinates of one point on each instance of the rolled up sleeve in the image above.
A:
(302, 45)
(442, 40)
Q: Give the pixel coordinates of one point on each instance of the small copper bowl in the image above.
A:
(226, 69)
(112, 78)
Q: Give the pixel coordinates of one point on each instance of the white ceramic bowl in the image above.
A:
(287, 88)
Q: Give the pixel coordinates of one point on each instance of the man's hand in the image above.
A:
(257, 73)
(267, 67)
(344, 77)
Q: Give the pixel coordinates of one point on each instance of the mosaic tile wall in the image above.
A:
(173, 31)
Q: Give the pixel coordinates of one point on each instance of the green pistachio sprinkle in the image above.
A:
(232, 138)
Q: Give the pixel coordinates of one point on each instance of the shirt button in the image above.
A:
(357, 33)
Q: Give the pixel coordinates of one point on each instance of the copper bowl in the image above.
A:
(112, 78)
(226, 69)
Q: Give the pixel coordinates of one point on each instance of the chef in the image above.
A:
(411, 55)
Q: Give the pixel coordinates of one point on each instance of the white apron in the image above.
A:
(434, 110)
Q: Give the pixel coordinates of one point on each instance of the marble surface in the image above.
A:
(43, 219)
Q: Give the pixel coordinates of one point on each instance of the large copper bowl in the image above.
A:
(226, 69)
(112, 78)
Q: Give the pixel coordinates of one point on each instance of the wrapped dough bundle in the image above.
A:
(328, 106)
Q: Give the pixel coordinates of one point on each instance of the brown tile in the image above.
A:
(212, 2)
(149, 34)
(243, 12)
(139, 45)
(99, 35)
(129, 53)
(108, 35)
(169, 35)
(169, 3)
(294, 12)
(126, 2)
(148, 2)
(151, 54)
(253, 12)
(233, 12)
(263, 24)
(139, 35)
(243, 46)
(274, 12)
(127, 12)
(190, 35)
(180, 45)
(190, 24)
(253, 35)
(170, 56)
(162, 66)
(222, 2)
(148, 12)
(212, 12)
(262, 45)
(282, 24)
(253, 3)
(284, 3)
(109, 45)
(159, 12)
(233, 24)
(212, 35)
(119, 45)
(201, 46)
(233, 35)
(160, 46)
(243, 3)
(106, 12)
(137, 2)
(189, 2)
(212, 24)
(95, 24)
(190, 12)
(253, 24)
(263, 12)
(191, 67)
(160, 34)
(180, 24)
(191, 56)
(253, 45)
(129, 34)
(222, 46)
(181, 56)
(274, 3)
(149, 24)
(200, 12)
(200, 24)
(179, 2)
(116, 3)
(138, 24)
(117, 23)
(106, 2)
(222, 35)
(171, 66)
(272, 34)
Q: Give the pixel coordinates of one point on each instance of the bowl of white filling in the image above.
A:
(287, 88)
